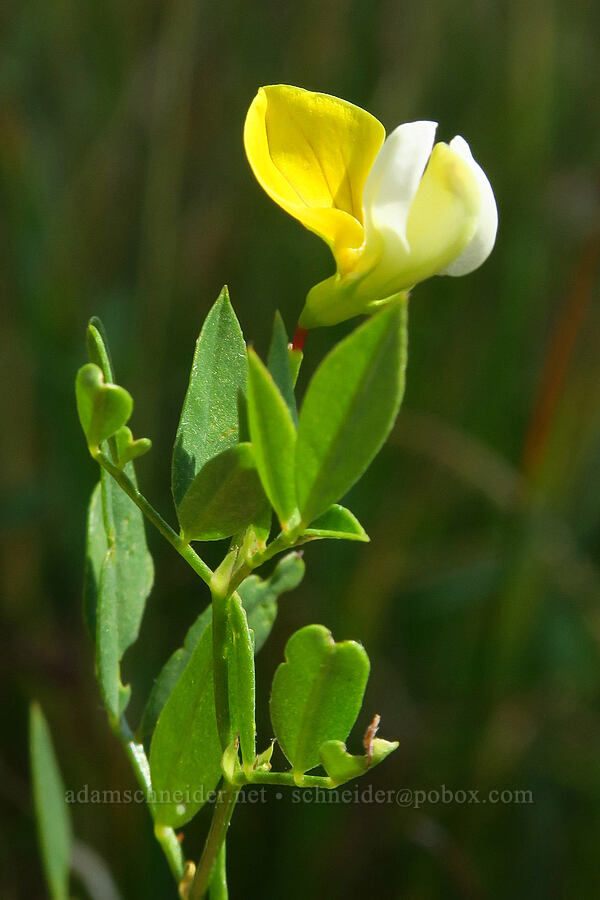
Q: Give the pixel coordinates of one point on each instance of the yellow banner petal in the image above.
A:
(312, 153)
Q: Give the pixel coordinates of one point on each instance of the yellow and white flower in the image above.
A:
(393, 211)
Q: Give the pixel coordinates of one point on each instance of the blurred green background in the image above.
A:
(126, 194)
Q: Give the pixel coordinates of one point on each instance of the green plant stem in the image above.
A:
(139, 763)
(214, 842)
(211, 867)
(220, 605)
(217, 889)
(183, 548)
(283, 541)
(287, 779)
(224, 582)
(220, 591)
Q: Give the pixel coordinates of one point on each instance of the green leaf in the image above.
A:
(102, 407)
(257, 534)
(97, 348)
(240, 656)
(296, 357)
(230, 760)
(170, 674)
(349, 409)
(209, 417)
(132, 560)
(115, 695)
(99, 353)
(119, 570)
(341, 766)
(127, 448)
(263, 760)
(278, 364)
(259, 598)
(273, 437)
(185, 754)
(317, 694)
(125, 582)
(337, 522)
(224, 497)
(51, 812)
(95, 553)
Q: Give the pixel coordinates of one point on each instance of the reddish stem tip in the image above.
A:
(299, 338)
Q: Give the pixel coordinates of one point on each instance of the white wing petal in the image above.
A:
(393, 182)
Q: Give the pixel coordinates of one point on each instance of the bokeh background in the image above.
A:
(126, 194)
